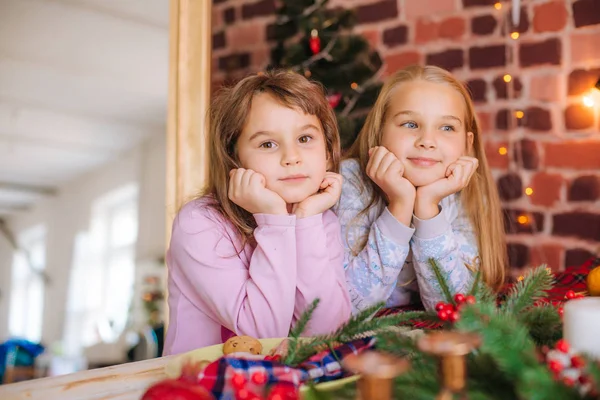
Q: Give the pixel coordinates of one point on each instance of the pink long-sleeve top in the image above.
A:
(216, 285)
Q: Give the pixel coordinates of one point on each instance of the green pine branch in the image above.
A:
(441, 280)
(543, 323)
(525, 293)
(304, 319)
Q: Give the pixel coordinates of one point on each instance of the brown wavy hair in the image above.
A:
(227, 116)
(480, 197)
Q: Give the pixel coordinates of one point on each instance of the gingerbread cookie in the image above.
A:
(243, 344)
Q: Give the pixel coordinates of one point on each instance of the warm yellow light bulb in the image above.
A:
(528, 191)
(520, 278)
(354, 85)
(514, 35)
(519, 114)
(588, 101)
(498, 5)
(507, 78)
(522, 219)
(503, 150)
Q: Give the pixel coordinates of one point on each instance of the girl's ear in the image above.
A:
(329, 163)
(470, 139)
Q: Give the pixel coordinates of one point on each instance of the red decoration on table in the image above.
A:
(175, 389)
(314, 42)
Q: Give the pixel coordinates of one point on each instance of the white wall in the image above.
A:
(68, 213)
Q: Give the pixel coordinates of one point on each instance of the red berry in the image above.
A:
(238, 380)
(583, 379)
(459, 298)
(454, 316)
(449, 307)
(570, 294)
(242, 394)
(568, 381)
(555, 366)
(259, 378)
(470, 299)
(440, 306)
(577, 362)
(444, 315)
(562, 346)
(561, 311)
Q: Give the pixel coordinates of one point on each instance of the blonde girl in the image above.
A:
(417, 186)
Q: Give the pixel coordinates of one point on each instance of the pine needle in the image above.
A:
(441, 280)
(475, 288)
(304, 319)
(525, 293)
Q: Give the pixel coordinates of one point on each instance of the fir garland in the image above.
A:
(506, 366)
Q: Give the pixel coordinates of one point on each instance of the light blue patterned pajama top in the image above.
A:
(394, 254)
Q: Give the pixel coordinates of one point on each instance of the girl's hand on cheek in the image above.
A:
(247, 189)
(387, 171)
(458, 175)
(324, 199)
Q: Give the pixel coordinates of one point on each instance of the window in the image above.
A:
(27, 289)
(102, 278)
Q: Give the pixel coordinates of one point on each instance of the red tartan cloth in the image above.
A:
(571, 279)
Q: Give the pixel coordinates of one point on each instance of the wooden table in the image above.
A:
(120, 382)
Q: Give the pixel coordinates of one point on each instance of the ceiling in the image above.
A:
(81, 81)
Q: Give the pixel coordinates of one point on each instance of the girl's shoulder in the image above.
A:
(350, 166)
(198, 215)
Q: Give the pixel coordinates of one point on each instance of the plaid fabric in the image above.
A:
(322, 367)
(571, 279)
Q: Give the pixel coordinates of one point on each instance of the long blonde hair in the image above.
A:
(228, 114)
(479, 198)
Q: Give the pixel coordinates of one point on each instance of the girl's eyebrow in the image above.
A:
(309, 126)
(406, 112)
(259, 133)
(452, 117)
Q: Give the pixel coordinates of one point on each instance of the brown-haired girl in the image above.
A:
(260, 244)
(417, 186)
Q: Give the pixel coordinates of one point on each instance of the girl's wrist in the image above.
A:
(401, 211)
(426, 208)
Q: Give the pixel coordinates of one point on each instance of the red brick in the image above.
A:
(217, 18)
(584, 47)
(418, 8)
(495, 159)
(394, 62)
(546, 189)
(452, 28)
(485, 122)
(373, 36)
(550, 254)
(261, 57)
(546, 88)
(578, 116)
(518, 255)
(573, 154)
(242, 36)
(550, 17)
(425, 31)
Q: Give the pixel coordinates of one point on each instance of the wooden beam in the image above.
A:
(190, 42)
(189, 96)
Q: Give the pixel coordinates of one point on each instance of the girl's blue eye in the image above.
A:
(410, 125)
(267, 145)
(305, 139)
(448, 128)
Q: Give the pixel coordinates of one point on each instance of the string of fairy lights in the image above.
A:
(511, 22)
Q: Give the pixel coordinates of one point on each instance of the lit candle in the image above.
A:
(581, 326)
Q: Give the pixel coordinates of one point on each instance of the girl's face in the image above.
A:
(425, 129)
(285, 145)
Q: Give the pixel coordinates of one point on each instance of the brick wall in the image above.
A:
(553, 150)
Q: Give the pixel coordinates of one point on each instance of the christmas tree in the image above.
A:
(317, 41)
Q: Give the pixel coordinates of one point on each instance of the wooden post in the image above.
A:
(189, 96)
(190, 45)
